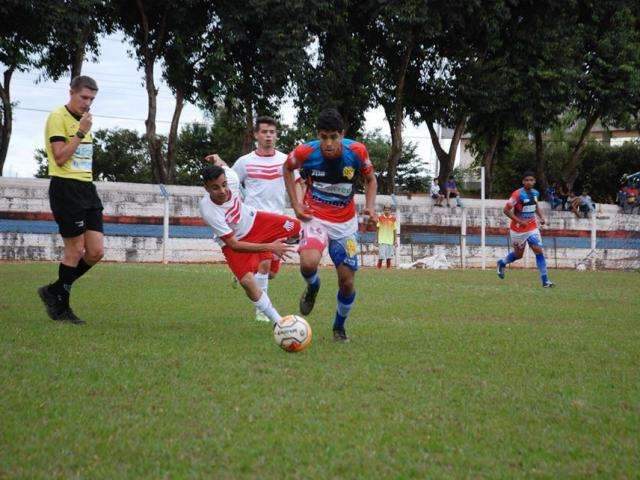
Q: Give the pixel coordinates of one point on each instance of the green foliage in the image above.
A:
(74, 30)
(412, 175)
(339, 75)
(603, 165)
(446, 377)
(252, 48)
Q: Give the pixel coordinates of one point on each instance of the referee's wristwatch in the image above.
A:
(80, 134)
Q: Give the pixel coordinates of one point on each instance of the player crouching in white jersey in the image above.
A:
(247, 236)
(260, 173)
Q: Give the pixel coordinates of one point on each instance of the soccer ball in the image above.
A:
(292, 333)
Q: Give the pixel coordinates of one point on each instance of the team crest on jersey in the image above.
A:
(348, 172)
(351, 247)
(288, 225)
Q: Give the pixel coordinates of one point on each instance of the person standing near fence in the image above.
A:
(74, 201)
(522, 208)
(386, 236)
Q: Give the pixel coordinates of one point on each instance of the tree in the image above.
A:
(21, 41)
(75, 29)
(411, 174)
(397, 36)
(340, 73)
(165, 31)
(446, 92)
(608, 81)
(253, 49)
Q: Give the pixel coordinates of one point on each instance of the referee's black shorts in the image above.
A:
(75, 205)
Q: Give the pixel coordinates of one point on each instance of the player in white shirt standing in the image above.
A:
(260, 172)
(247, 236)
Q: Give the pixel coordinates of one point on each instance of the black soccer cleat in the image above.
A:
(340, 336)
(53, 303)
(69, 316)
(308, 300)
(549, 284)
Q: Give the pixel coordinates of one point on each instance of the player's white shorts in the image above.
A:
(385, 251)
(532, 237)
(341, 238)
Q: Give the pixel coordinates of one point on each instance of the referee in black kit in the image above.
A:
(75, 204)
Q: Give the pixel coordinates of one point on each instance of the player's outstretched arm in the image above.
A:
(278, 247)
(370, 192)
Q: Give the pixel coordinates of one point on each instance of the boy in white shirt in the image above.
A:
(247, 236)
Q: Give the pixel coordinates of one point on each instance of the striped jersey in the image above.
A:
(261, 175)
(525, 204)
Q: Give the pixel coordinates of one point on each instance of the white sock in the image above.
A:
(262, 279)
(264, 305)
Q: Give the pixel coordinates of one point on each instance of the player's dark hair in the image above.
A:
(82, 81)
(211, 172)
(330, 120)
(528, 173)
(264, 119)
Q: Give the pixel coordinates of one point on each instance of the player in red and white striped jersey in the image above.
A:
(260, 172)
(247, 236)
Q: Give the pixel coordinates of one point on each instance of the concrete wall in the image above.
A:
(128, 202)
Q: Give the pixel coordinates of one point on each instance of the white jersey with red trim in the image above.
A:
(263, 182)
(233, 217)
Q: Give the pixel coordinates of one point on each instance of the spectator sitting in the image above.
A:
(435, 193)
(451, 190)
(628, 198)
(583, 205)
(562, 194)
(571, 199)
(552, 198)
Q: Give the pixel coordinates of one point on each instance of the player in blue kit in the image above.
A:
(330, 167)
(522, 208)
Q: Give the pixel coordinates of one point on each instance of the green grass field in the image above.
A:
(449, 374)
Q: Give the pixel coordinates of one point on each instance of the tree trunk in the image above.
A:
(571, 171)
(173, 137)
(489, 160)
(78, 54)
(248, 140)
(158, 167)
(541, 175)
(446, 159)
(395, 124)
(6, 120)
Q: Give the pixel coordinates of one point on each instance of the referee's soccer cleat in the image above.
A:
(308, 300)
(69, 316)
(54, 304)
(501, 266)
(340, 336)
(549, 284)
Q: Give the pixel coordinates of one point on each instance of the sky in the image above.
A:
(122, 95)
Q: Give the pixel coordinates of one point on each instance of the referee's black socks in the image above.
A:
(66, 277)
(82, 268)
